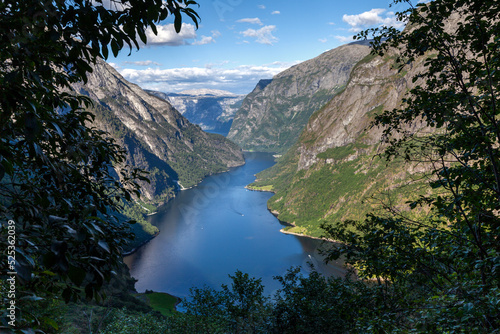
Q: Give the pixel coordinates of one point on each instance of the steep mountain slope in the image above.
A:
(212, 110)
(330, 174)
(157, 137)
(272, 116)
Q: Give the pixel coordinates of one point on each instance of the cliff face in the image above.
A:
(212, 110)
(331, 174)
(157, 137)
(273, 115)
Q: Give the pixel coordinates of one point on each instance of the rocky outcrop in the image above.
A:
(213, 110)
(156, 136)
(273, 115)
(376, 84)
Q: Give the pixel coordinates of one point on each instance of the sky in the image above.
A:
(239, 42)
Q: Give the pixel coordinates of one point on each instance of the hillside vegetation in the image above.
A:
(333, 173)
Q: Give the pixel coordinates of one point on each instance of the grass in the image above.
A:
(262, 188)
(333, 192)
(160, 301)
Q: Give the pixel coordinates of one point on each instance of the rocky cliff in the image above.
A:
(156, 136)
(211, 109)
(331, 173)
(273, 115)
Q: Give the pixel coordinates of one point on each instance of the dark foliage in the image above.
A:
(58, 193)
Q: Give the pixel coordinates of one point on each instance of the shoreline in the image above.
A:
(179, 189)
(135, 249)
(276, 214)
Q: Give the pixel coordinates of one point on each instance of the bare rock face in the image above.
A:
(156, 136)
(375, 85)
(273, 115)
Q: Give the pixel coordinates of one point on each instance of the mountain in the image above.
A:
(156, 136)
(275, 112)
(211, 109)
(331, 173)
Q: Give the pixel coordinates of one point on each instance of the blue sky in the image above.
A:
(240, 42)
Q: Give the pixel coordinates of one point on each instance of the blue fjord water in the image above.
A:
(216, 228)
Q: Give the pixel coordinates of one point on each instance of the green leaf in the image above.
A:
(76, 275)
(104, 245)
(177, 22)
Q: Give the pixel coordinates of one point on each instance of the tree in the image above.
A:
(58, 191)
(443, 271)
(241, 308)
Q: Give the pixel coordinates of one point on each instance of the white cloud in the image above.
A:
(371, 18)
(168, 36)
(261, 7)
(345, 39)
(204, 40)
(323, 40)
(276, 12)
(142, 63)
(263, 36)
(254, 20)
(241, 79)
(208, 39)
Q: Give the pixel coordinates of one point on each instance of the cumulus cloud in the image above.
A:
(323, 40)
(276, 12)
(187, 36)
(254, 20)
(168, 36)
(241, 79)
(261, 7)
(208, 39)
(371, 18)
(263, 35)
(204, 40)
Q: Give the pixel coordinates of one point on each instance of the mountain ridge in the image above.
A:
(331, 174)
(273, 114)
(157, 137)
